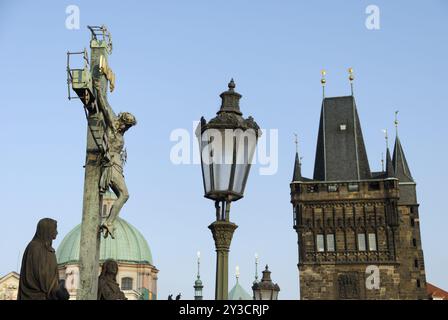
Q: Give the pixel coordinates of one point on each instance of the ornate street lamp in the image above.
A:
(227, 145)
(266, 289)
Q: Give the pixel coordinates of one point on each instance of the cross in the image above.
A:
(296, 141)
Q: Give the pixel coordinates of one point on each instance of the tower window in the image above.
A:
(342, 127)
(414, 242)
(374, 186)
(361, 242)
(295, 216)
(320, 243)
(372, 242)
(330, 242)
(416, 263)
(412, 222)
(418, 283)
(126, 283)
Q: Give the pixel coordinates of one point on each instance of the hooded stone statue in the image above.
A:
(108, 288)
(39, 277)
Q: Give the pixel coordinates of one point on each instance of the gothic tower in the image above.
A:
(358, 231)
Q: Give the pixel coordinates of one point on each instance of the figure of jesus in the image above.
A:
(114, 157)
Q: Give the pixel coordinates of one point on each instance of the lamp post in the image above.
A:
(227, 144)
(266, 289)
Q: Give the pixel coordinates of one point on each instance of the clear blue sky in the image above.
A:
(172, 60)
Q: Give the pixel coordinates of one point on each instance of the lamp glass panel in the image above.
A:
(246, 142)
(266, 294)
(205, 160)
(222, 160)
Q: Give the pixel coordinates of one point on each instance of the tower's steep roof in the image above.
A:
(390, 172)
(400, 164)
(128, 246)
(340, 154)
(297, 174)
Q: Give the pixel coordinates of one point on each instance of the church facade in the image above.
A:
(358, 231)
(137, 275)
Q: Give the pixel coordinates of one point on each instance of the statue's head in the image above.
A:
(46, 231)
(110, 268)
(125, 121)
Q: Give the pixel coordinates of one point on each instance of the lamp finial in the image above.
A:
(231, 84)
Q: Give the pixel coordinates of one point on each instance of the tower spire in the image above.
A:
(400, 165)
(351, 77)
(297, 174)
(199, 264)
(390, 172)
(198, 283)
(323, 81)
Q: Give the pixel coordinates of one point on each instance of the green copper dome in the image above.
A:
(129, 245)
(238, 293)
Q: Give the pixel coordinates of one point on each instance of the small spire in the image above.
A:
(390, 172)
(199, 263)
(198, 286)
(400, 165)
(323, 81)
(256, 268)
(297, 174)
(351, 77)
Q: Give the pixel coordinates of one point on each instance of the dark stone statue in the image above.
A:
(112, 168)
(178, 296)
(170, 297)
(39, 277)
(108, 288)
